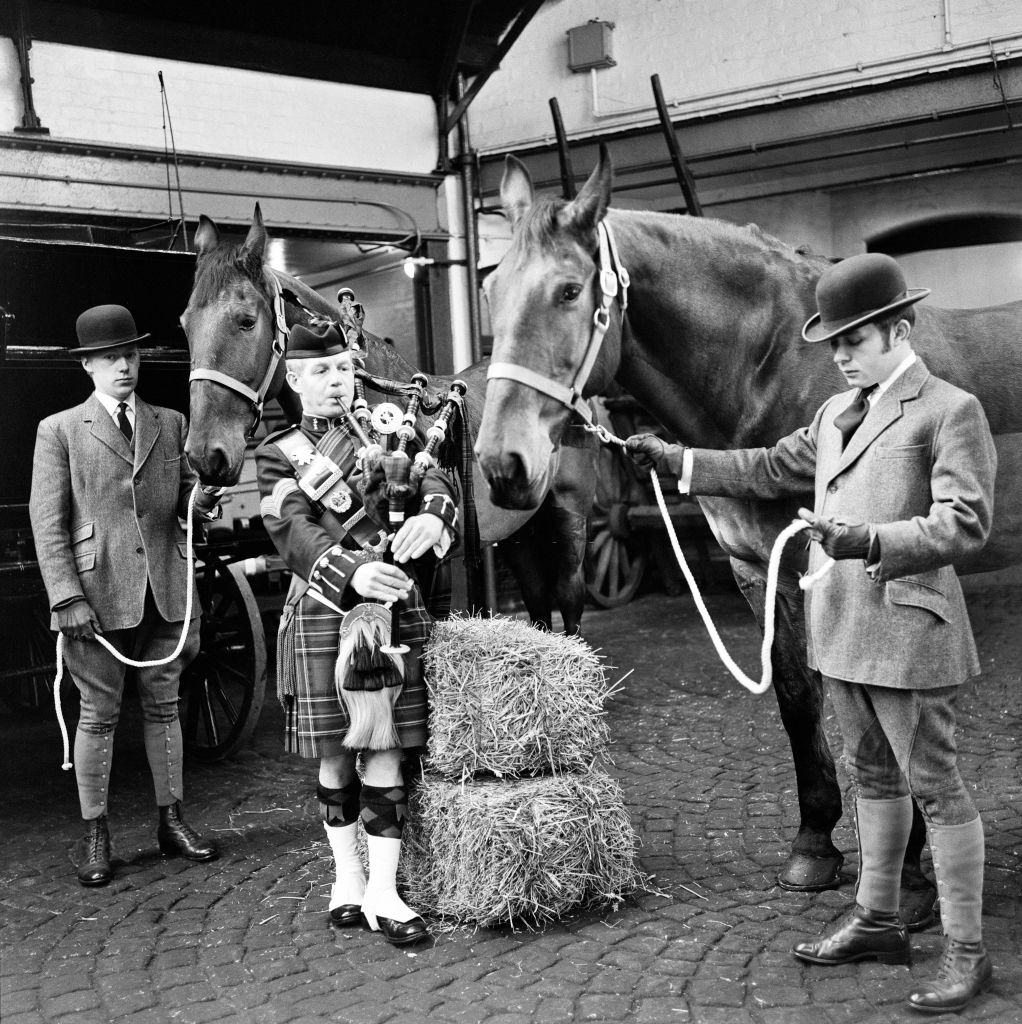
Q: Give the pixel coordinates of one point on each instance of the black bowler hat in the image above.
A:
(103, 327)
(316, 341)
(857, 291)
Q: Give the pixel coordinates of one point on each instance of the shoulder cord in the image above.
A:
(190, 570)
(773, 570)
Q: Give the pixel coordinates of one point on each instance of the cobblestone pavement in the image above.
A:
(709, 784)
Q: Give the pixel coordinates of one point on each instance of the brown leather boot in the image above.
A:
(177, 838)
(92, 854)
(862, 934)
(964, 972)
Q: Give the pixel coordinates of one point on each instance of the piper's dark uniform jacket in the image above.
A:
(304, 533)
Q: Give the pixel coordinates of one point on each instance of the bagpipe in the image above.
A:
(370, 667)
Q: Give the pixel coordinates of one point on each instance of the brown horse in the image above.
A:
(710, 344)
(230, 327)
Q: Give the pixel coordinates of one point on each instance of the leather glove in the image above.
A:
(78, 621)
(648, 451)
(207, 501)
(838, 538)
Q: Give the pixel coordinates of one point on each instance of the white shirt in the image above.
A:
(687, 461)
(110, 404)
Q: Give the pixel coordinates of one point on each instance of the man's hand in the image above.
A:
(78, 621)
(648, 451)
(208, 499)
(416, 536)
(838, 538)
(381, 581)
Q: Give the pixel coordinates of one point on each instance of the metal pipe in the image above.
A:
(681, 171)
(563, 153)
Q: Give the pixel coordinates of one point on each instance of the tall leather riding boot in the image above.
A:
(872, 930)
(92, 854)
(965, 968)
(882, 828)
(177, 838)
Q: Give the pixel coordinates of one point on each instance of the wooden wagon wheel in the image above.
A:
(222, 690)
(616, 556)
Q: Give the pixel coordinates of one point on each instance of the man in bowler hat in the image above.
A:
(903, 468)
(109, 483)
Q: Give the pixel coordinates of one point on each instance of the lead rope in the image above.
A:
(189, 531)
(773, 570)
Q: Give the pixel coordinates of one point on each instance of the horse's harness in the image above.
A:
(614, 279)
(278, 348)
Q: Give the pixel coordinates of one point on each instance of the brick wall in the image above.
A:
(102, 96)
(721, 54)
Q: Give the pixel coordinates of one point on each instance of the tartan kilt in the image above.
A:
(316, 719)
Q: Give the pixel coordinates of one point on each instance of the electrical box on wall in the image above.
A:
(591, 45)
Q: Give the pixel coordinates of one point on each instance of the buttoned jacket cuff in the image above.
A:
(873, 555)
(333, 569)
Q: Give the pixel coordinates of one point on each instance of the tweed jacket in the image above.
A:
(106, 518)
(920, 471)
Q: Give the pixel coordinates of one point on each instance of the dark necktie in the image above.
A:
(122, 421)
(848, 421)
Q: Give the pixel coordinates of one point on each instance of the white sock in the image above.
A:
(350, 883)
(381, 898)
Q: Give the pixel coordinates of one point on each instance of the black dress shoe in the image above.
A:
(92, 854)
(346, 916)
(177, 838)
(964, 971)
(863, 934)
(398, 933)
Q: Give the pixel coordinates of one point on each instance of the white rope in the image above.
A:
(773, 570)
(190, 571)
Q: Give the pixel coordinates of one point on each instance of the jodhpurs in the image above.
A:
(900, 742)
(99, 677)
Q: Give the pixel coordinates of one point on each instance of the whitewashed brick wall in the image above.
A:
(102, 96)
(712, 54)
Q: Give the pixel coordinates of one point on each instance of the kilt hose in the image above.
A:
(316, 719)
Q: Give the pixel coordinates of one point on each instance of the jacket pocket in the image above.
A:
(82, 532)
(903, 451)
(916, 594)
(85, 561)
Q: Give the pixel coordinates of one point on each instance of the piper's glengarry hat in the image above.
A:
(857, 291)
(103, 327)
(316, 341)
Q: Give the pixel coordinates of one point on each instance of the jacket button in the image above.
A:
(140, 513)
(138, 551)
(832, 489)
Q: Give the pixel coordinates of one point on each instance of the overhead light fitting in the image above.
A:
(411, 264)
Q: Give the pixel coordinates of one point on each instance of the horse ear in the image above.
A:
(587, 209)
(255, 241)
(207, 236)
(516, 193)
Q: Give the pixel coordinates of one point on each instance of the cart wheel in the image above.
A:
(28, 656)
(222, 690)
(616, 558)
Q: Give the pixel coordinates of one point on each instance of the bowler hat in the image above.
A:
(857, 291)
(103, 327)
(316, 341)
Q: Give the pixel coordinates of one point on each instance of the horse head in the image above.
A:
(231, 323)
(547, 299)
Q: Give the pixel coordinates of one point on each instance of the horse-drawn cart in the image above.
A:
(627, 535)
(44, 285)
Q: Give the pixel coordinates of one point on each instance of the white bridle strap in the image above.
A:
(278, 349)
(614, 280)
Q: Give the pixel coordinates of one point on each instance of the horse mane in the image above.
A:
(221, 267)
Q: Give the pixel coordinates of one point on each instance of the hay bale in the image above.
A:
(492, 851)
(512, 700)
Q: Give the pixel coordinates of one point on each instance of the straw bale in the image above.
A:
(495, 851)
(512, 700)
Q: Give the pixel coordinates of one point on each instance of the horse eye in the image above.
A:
(246, 324)
(570, 292)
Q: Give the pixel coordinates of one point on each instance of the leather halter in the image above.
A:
(278, 348)
(613, 277)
